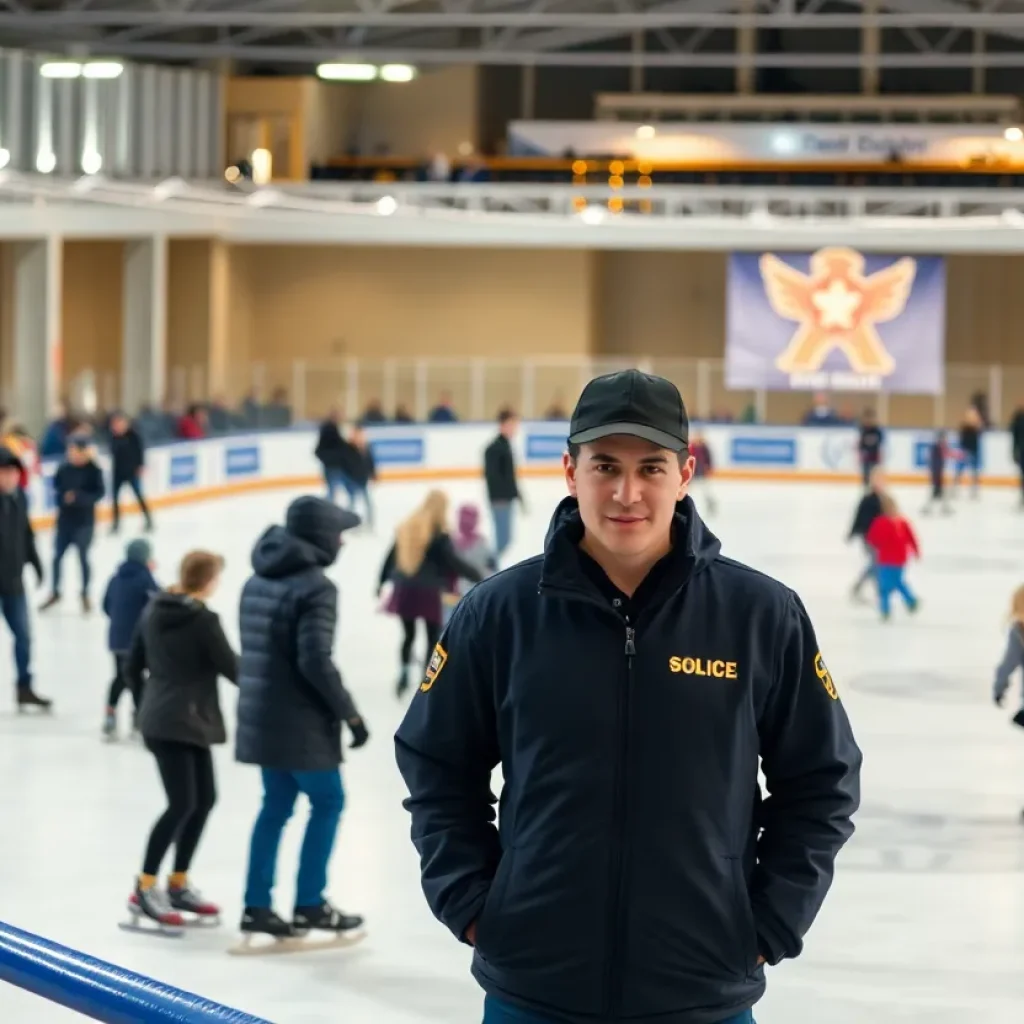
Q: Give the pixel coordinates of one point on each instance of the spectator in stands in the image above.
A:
(278, 412)
(192, 426)
(821, 413)
(55, 436)
(444, 411)
(128, 459)
(500, 476)
(373, 413)
(250, 409)
(220, 417)
(556, 410)
(1017, 441)
(402, 414)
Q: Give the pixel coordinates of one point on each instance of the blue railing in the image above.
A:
(100, 990)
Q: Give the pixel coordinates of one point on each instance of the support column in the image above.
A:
(144, 338)
(746, 49)
(37, 271)
(978, 84)
(871, 44)
(217, 381)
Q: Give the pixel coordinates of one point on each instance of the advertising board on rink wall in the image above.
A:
(835, 319)
(220, 467)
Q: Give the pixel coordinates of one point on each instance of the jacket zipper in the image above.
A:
(613, 970)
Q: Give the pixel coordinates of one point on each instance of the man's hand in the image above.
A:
(360, 734)
(69, 497)
(470, 934)
(761, 960)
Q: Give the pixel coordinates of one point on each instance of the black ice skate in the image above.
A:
(28, 698)
(190, 901)
(153, 905)
(86, 604)
(53, 599)
(258, 921)
(324, 918)
(263, 921)
(110, 725)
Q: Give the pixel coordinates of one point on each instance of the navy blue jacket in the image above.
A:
(85, 484)
(291, 699)
(627, 879)
(127, 595)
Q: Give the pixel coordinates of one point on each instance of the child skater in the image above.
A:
(868, 510)
(127, 595)
(938, 455)
(703, 468)
(1013, 659)
(476, 549)
(894, 541)
(181, 643)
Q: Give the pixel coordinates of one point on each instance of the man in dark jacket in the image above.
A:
(128, 459)
(869, 508)
(78, 488)
(17, 549)
(500, 476)
(627, 680)
(1017, 443)
(291, 708)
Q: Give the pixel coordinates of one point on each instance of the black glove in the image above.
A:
(360, 734)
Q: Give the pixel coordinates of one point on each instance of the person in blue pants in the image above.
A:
(292, 705)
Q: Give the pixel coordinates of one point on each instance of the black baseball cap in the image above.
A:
(634, 403)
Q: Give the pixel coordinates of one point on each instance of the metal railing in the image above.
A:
(537, 386)
(100, 990)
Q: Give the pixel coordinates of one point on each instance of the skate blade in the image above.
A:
(249, 946)
(198, 921)
(153, 928)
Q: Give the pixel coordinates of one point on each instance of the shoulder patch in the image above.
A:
(437, 662)
(825, 676)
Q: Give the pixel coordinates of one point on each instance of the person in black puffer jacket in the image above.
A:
(181, 644)
(291, 707)
(868, 510)
(422, 565)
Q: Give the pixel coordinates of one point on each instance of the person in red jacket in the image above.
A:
(894, 541)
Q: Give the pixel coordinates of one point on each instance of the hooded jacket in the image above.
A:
(629, 878)
(292, 701)
(17, 544)
(124, 601)
(181, 643)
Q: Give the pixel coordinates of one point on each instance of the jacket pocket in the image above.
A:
(488, 918)
(748, 952)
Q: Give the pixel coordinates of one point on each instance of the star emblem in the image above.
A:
(837, 306)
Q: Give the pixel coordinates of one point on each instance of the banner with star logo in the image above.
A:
(836, 319)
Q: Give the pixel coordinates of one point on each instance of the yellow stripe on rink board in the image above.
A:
(198, 494)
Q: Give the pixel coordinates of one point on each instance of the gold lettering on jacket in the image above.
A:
(713, 667)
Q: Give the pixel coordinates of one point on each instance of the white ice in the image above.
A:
(925, 922)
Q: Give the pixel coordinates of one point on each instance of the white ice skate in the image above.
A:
(150, 912)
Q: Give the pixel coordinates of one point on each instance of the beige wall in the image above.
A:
(92, 314)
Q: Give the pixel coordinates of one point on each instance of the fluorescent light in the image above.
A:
(61, 69)
(5, 158)
(46, 161)
(386, 205)
(398, 72)
(1013, 134)
(347, 72)
(646, 131)
(592, 215)
(103, 69)
(91, 162)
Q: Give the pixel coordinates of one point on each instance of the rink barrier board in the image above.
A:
(186, 473)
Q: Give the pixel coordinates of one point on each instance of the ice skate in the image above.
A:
(28, 698)
(326, 918)
(403, 684)
(261, 923)
(110, 726)
(187, 900)
(86, 604)
(152, 905)
(53, 599)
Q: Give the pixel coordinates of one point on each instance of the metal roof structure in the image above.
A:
(651, 33)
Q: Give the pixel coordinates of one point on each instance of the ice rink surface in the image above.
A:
(925, 922)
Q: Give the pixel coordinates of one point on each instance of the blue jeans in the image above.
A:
(15, 611)
(337, 480)
(498, 1012)
(890, 580)
(72, 537)
(326, 800)
(501, 515)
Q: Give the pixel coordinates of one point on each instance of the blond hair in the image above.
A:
(1017, 606)
(415, 533)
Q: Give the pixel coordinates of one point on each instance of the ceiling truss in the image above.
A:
(623, 33)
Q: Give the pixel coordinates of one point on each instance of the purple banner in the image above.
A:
(836, 319)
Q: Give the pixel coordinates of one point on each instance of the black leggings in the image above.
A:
(120, 683)
(187, 774)
(409, 638)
